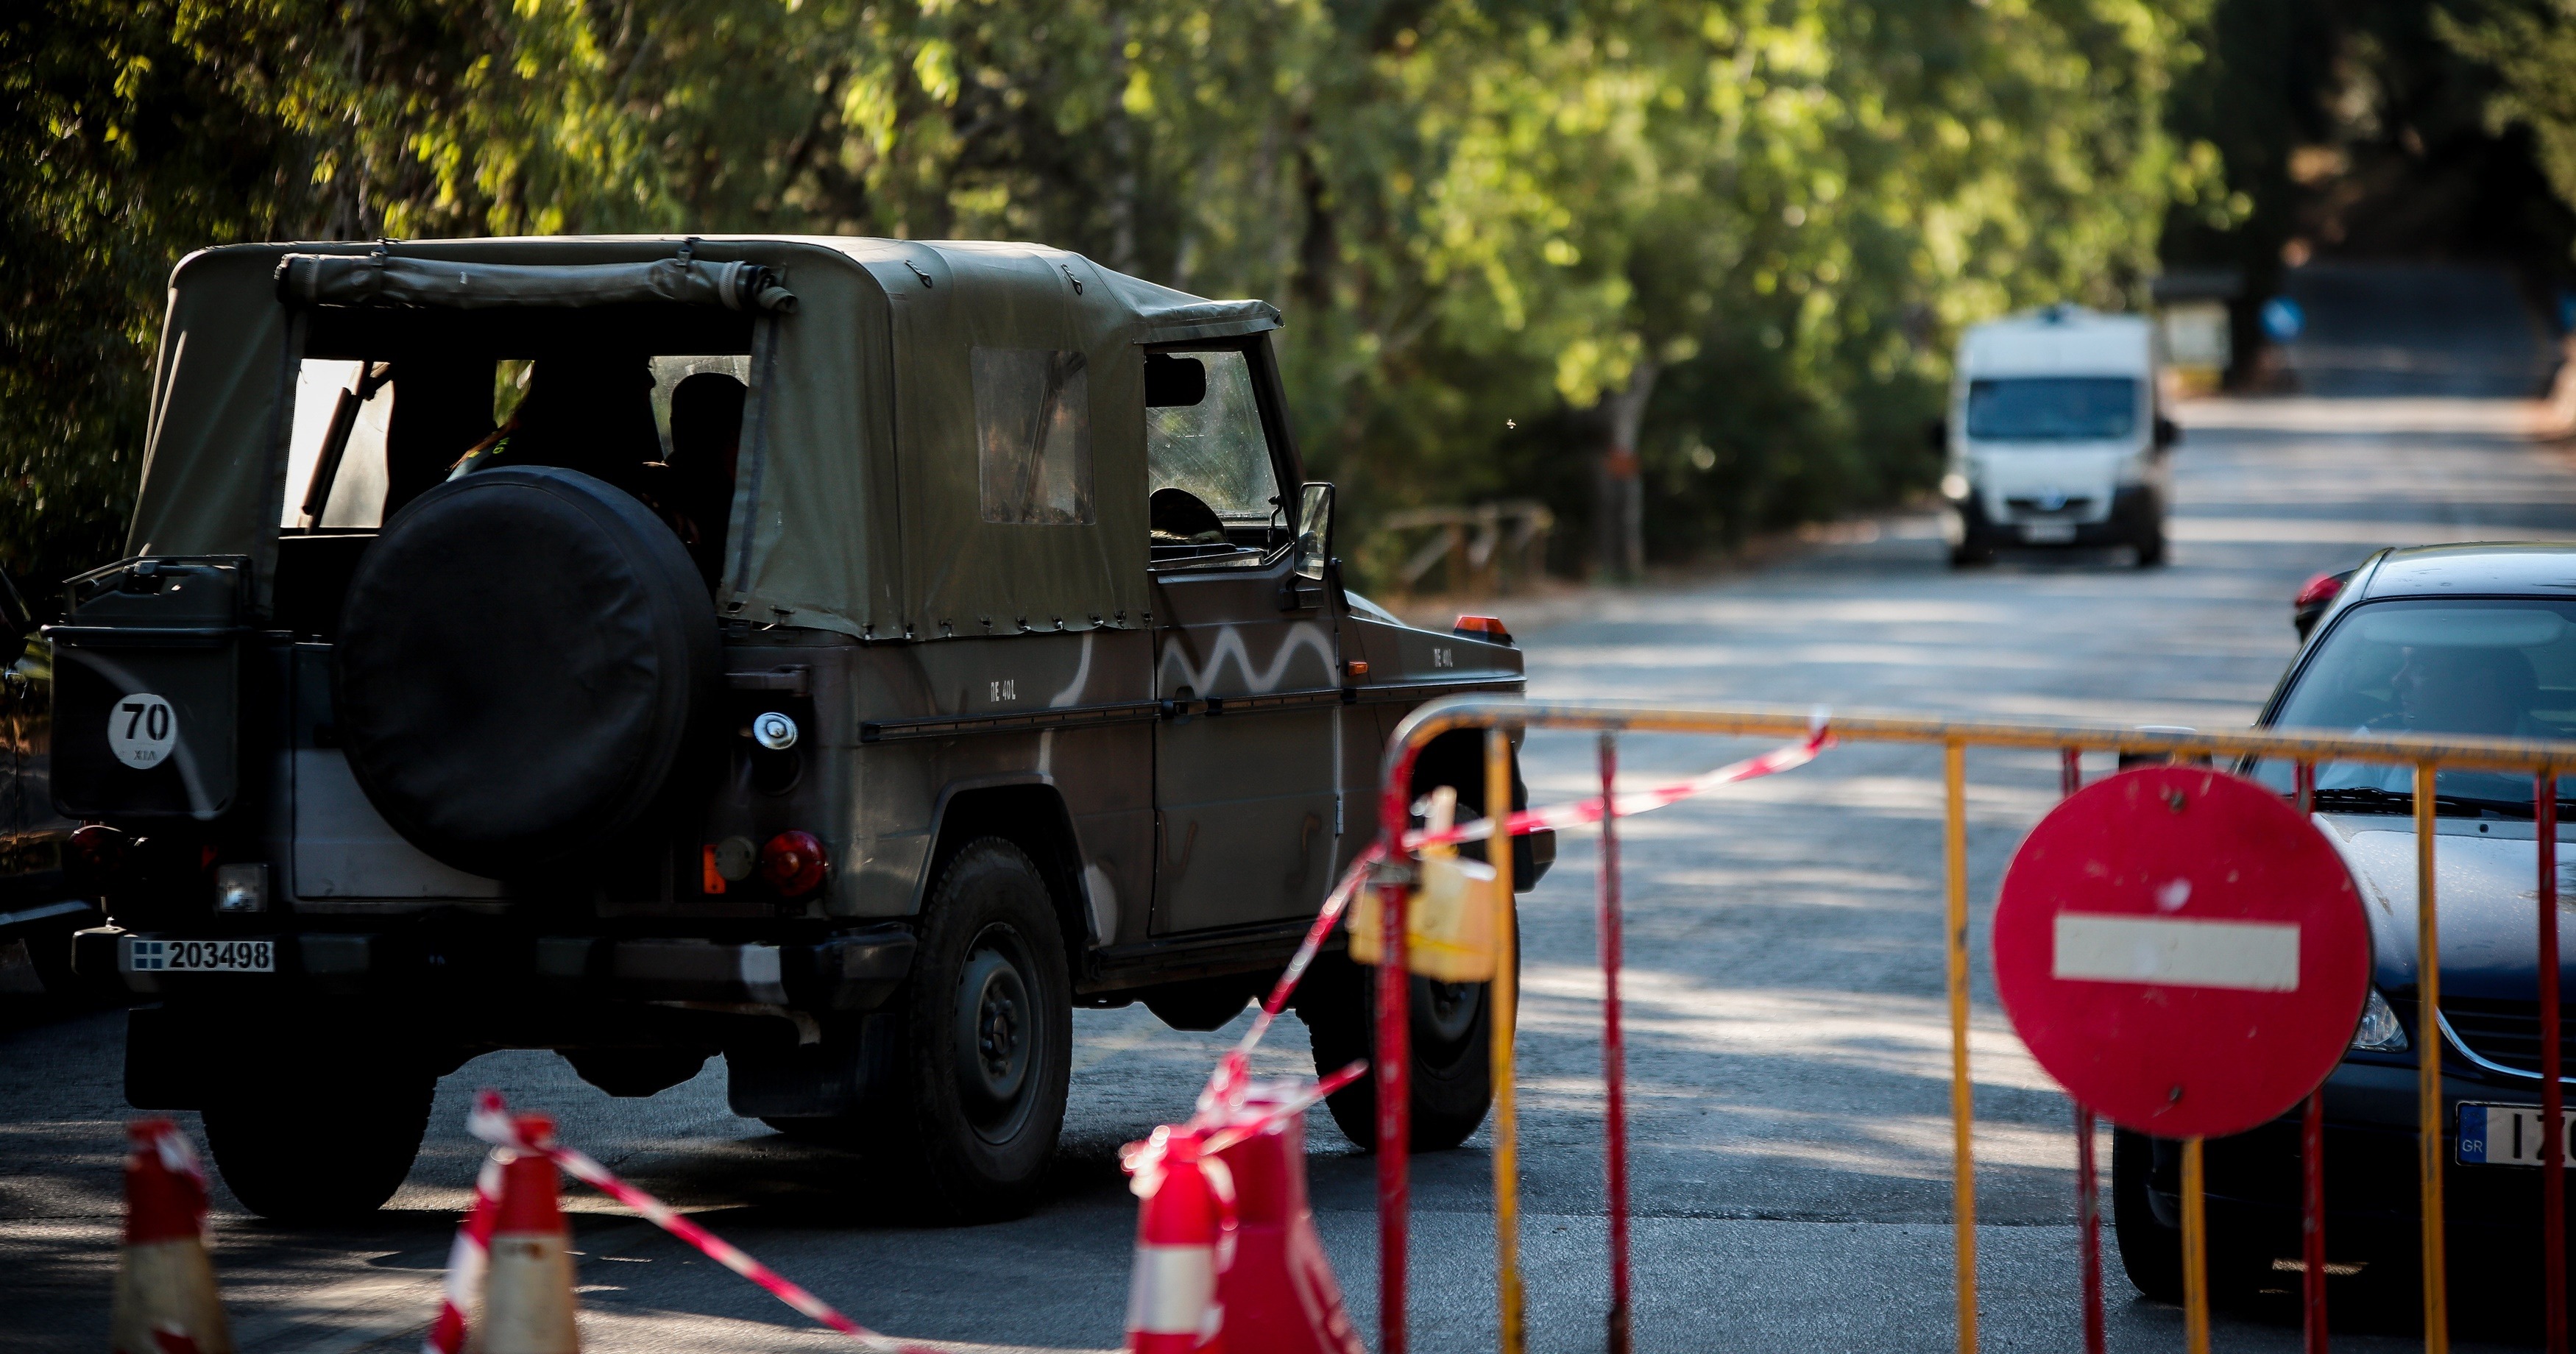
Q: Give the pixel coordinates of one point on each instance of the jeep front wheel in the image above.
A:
(990, 1047)
(1452, 1072)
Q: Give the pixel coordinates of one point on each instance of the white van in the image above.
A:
(2054, 438)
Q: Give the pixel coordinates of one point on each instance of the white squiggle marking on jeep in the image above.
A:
(1229, 644)
(1081, 676)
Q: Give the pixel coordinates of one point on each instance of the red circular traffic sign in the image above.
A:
(2182, 951)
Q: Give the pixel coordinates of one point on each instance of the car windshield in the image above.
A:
(2052, 408)
(2483, 668)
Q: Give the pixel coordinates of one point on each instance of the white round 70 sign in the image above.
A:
(141, 729)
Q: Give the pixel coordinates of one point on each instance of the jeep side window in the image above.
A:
(1032, 436)
(355, 494)
(1203, 437)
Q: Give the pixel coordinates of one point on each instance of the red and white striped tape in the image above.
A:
(1225, 1085)
(490, 1120)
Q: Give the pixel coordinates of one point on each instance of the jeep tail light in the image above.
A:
(794, 864)
(1487, 628)
(99, 858)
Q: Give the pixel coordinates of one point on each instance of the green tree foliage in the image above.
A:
(2530, 45)
(1754, 225)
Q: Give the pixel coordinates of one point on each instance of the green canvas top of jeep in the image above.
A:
(849, 349)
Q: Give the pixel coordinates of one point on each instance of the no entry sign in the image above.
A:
(2182, 951)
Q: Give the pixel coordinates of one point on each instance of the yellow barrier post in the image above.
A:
(1963, 1104)
(1506, 1018)
(2195, 1252)
(2428, 1068)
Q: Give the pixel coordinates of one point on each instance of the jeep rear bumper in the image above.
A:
(850, 971)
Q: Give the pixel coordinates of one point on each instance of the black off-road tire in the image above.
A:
(1972, 553)
(321, 1138)
(526, 661)
(1452, 1051)
(2150, 1251)
(988, 1039)
(2150, 546)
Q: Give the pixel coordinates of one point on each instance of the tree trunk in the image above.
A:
(1619, 503)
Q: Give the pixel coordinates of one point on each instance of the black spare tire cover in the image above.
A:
(525, 656)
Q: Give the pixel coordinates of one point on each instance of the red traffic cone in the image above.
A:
(165, 1285)
(527, 1291)
(1180, 1228)
(1279, 1295)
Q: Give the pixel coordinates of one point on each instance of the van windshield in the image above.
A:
(2052, 408)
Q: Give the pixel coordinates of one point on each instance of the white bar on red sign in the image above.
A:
(2252, 956)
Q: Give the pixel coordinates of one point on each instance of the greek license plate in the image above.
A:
(203, 956)
(2509, 1135)
(2048, 533)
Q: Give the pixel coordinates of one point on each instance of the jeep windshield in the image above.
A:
(2483, 668)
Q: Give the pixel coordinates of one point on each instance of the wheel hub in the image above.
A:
(996, 1029)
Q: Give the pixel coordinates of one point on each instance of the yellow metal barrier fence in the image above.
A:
(2424, 753)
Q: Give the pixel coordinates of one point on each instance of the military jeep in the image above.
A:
(844, 656)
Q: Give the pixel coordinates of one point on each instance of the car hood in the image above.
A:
(2485, 886)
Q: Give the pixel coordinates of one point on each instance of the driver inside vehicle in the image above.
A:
(706, 449)
(2486, 692)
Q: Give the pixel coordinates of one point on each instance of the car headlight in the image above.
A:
(2378, 1031)
(1954, 486)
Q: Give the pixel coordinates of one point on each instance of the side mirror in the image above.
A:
(1314, 531)
(2168, 433)
(14, 615)
(1936, 435)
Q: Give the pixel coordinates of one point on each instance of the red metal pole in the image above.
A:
(2312, 1156)
(1394, 1069)
(1614, 1049)
(2553, 1096)
(2088, 1195)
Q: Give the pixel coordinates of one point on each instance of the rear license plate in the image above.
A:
(2509, 1135)
(2048, 533)
(201, 956)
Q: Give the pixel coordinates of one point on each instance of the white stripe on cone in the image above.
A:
(1171, 1290)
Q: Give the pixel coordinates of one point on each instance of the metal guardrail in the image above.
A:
(1475, 541)
(2424, 753)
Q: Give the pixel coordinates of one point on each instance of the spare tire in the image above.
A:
(525, 656)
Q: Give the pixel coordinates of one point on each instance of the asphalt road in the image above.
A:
(1788, 1039)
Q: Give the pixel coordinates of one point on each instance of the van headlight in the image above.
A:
(1954, 486)
(2378, 1031)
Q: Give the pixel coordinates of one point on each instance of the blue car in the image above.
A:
(2460, 639)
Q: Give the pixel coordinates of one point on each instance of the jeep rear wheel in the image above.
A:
(286, 1161)
(989, 1047)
